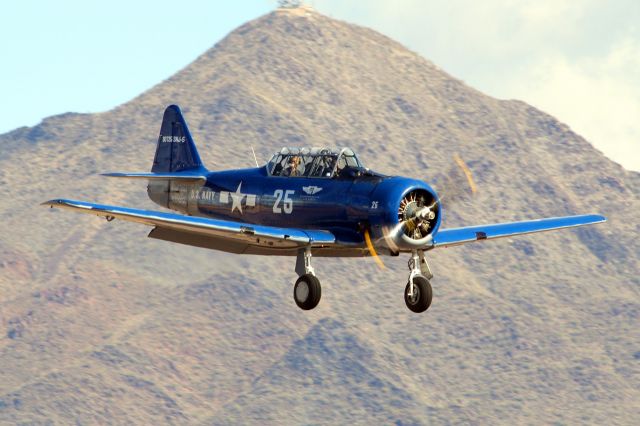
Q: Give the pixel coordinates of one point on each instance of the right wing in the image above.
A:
(225, 235)
(469, 234)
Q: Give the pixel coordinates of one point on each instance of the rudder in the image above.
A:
(176, 150)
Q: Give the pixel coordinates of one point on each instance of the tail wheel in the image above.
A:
(307, 292)
(422, 295)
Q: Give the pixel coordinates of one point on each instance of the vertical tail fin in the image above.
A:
(176, 150)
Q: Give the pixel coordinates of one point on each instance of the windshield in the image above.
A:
(315, 163)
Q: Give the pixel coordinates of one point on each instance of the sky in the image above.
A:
(578, 60)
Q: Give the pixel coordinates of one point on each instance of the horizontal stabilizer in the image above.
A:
(191, 176)
(455, 236)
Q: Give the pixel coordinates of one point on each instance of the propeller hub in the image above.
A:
(416, 213)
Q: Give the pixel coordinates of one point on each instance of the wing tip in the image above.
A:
(598, 218)
(52, 203)
(60, 202)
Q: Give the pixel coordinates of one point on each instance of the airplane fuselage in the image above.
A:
(343, 205)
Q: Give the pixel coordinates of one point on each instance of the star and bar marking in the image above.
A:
(236, 199)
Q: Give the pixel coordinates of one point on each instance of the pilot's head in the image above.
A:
(294, 160)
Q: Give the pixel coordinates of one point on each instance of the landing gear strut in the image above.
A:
(307, 290)
(418, 293)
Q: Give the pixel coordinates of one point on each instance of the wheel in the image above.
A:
(307, 292)
(422, 294)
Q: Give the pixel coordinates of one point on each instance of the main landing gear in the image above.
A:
(307, 290)
(418, 293)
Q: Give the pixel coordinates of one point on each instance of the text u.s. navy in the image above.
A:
(303, 203)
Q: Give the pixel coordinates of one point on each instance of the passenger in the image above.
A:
(342, 165)
(331, 163)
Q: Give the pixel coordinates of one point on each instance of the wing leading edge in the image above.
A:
(224, 235)
(456, 236)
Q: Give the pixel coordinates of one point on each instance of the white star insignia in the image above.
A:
(236, 199)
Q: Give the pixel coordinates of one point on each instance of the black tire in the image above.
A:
(422, 296)
(307, 292)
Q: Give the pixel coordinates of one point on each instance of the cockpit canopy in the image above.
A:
(312, 162)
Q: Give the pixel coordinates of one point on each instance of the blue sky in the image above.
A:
(89, 56)
(576, 59)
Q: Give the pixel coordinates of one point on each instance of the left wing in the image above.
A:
(226, 235)
(456, 236)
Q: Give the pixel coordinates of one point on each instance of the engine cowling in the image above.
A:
(409, 214)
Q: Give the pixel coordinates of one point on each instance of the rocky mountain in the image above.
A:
(99, 324)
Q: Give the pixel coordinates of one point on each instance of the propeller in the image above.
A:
(414, 216)
(456, 183)
(372, 249)
(467, 172)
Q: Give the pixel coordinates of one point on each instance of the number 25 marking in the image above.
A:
(287, 202)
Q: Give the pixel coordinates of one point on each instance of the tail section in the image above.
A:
(176, 150)
(177, 169)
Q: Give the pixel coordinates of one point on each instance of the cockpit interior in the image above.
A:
(314, 162)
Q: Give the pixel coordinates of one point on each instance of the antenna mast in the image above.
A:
(254, 157)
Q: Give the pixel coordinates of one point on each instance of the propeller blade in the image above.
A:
(466, 171)
(372, 250)
(456, 183)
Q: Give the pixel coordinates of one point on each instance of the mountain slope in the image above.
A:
(100, 323)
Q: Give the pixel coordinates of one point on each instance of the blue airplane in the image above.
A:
(303, 203)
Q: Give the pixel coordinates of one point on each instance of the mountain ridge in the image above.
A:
(100, 324)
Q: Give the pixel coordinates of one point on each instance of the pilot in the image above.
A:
(292, 169)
